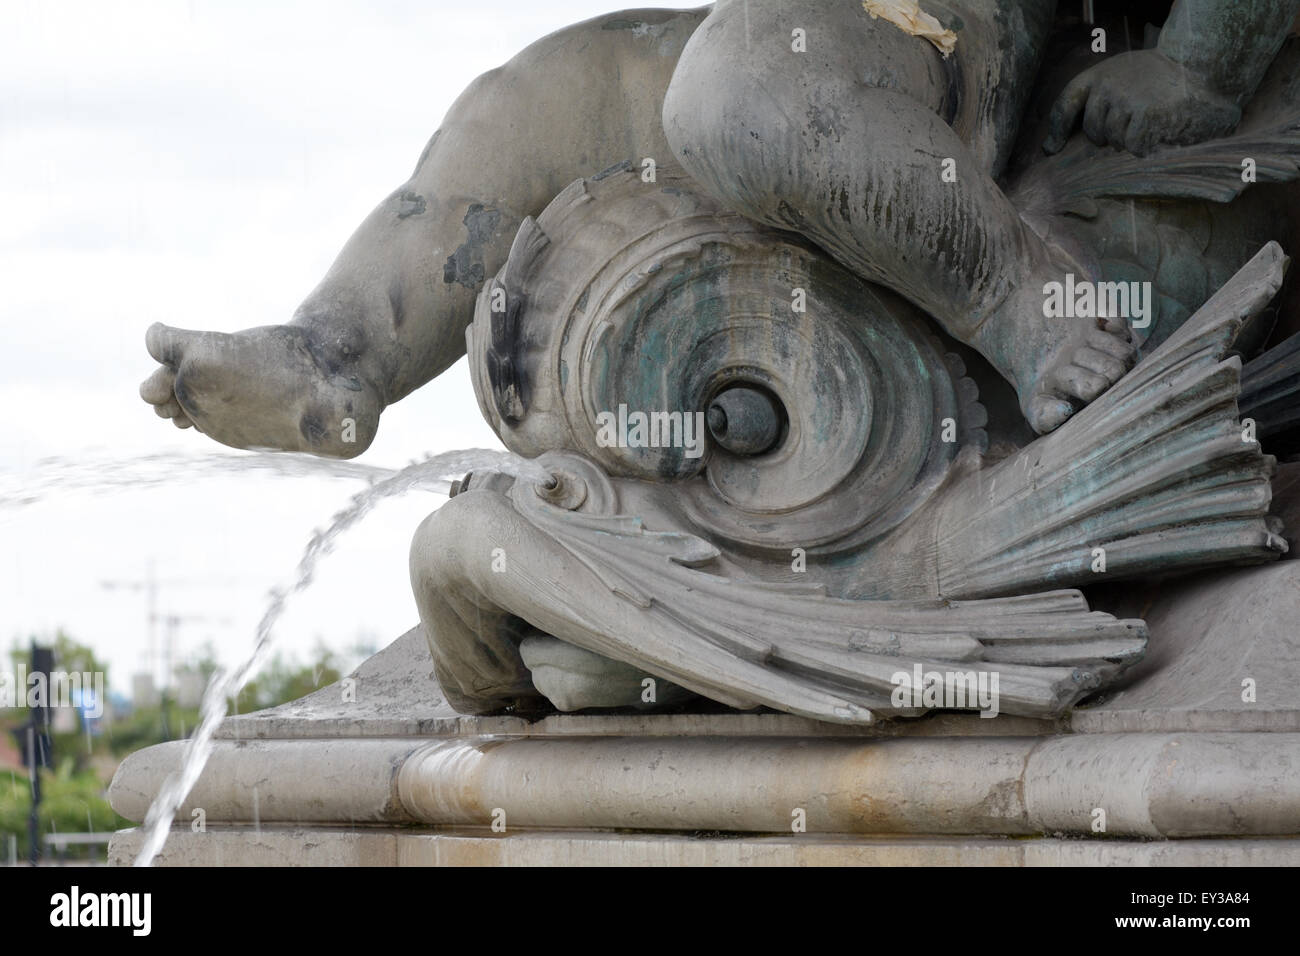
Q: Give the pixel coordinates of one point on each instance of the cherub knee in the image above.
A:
(454, 545)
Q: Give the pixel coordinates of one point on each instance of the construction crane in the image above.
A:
(150, 584)
(173, 623)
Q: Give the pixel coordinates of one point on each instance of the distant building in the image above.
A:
(144, 693)
(190, 686)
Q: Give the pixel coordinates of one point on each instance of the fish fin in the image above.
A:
(1270, 396)
(1155, 476)
(734, 638)
(1073, 180)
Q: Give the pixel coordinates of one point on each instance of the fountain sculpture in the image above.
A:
(911, 455)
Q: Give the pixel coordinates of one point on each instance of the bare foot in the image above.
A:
(1057, 364)
(1093, 355)
(574, 679)
(261, 388)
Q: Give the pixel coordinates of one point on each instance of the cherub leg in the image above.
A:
(391, 313)
(845, 143)
(475, 566)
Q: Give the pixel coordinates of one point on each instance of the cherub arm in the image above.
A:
(1229, 43)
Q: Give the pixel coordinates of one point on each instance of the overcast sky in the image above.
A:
(201, 164)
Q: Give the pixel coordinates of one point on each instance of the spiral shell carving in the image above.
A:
(830, 410)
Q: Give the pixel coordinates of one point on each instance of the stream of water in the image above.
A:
(56, 477)
(61, 475)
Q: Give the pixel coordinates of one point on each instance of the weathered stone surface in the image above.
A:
(272, 846)
(1224, 655)
(331, 781)
(276, 846)
(393, 693)
(1146, 785)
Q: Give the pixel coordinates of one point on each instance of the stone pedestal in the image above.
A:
(1179, 767)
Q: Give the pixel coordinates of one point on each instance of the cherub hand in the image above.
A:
(1138, 101)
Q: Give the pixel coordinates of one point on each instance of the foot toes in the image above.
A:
(166, 344)
(1081, 383)
(182, 421)
(1047, 413)
(1113, 345)
(1107, 366)
(168, 409)
(157, 388)
(1114, 325)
